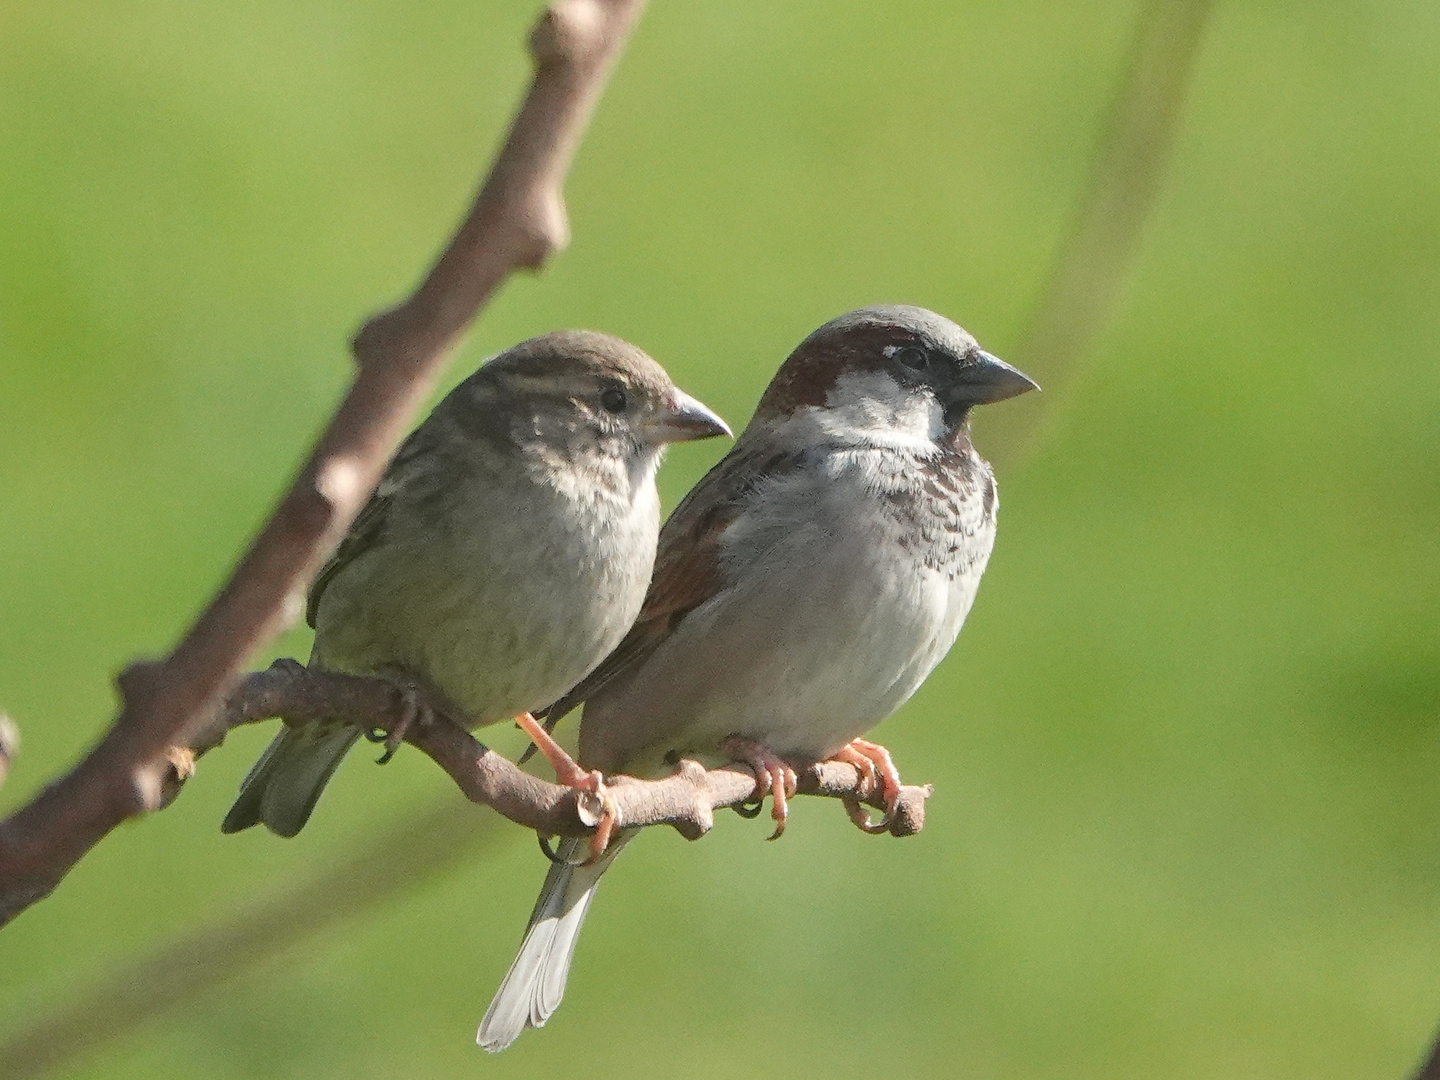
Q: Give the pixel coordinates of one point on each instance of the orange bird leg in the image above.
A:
(872, 760)
(772, 776)
(571, 775)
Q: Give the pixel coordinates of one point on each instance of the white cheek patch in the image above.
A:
(873, 404)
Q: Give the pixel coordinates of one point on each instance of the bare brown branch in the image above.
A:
(686, 800)
(517, 220)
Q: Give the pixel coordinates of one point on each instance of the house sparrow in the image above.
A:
(504, 553)
(803, 591)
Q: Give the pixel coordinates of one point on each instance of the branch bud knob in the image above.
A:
(569, 30)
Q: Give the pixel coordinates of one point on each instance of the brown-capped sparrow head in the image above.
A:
(803, 591)
(506, 550)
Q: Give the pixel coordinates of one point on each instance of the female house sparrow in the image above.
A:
(803, 591)
(504, 553)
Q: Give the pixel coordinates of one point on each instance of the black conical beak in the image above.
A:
(990, 379)
(685, 419)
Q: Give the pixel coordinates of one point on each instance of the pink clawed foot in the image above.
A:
(773, 776)
(571, 775)
(873, 762)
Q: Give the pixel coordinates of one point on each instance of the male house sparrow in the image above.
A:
(803, 591)
(504, 553)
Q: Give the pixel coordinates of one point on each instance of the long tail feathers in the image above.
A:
(283, 787)
(535, 982)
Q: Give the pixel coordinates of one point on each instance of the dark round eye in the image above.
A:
(614, 400)
(913, 357)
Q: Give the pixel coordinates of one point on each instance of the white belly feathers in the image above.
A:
(823, 635)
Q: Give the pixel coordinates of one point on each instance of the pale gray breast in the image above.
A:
(499, 584)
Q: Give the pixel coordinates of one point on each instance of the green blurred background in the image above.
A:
(1185, 754)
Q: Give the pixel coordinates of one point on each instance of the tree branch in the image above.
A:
(686, 800)
(516, 222)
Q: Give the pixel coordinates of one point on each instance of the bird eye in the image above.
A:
(614, 400)
(913, 357)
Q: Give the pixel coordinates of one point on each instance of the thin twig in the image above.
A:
(516, 222)
(686, 800)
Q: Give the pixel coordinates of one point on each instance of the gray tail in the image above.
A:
(286, 782)
(535, 982)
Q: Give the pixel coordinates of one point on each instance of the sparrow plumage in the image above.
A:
(504, 553)
(803, 591)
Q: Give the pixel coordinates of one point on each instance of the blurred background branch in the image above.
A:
(1086, 283)
(401, 858)
(1083, 292)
